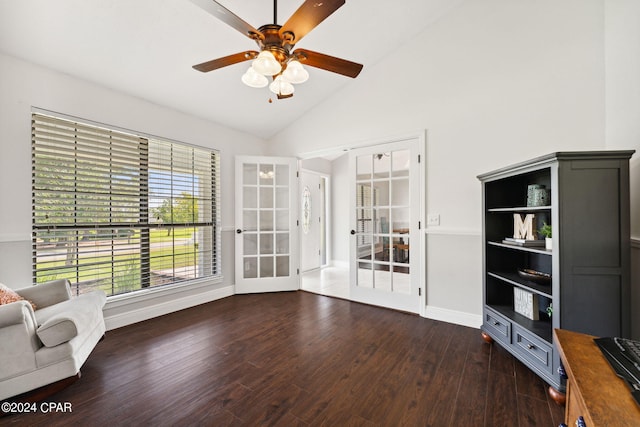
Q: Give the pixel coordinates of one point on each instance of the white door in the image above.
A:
(385, 236)
(266, 231)
(311, 207)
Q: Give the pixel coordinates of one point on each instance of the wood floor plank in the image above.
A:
(557, 411)
(299, 359)
(534, 412)
(471, 400)
(528, 383)
(502, 403)
(501, 360)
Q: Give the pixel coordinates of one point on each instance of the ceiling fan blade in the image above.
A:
(326, 62)
(307, 17)
(228, 17)
(224, 61)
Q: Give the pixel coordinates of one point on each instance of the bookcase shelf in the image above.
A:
(521, 209)
(515, 280)
(521, 248)
(589, 290)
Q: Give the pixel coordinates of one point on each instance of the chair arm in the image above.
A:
(17, 313)
(72, 318)
(48, 293)
(58, 329)
(18, 339)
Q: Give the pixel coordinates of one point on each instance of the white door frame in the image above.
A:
(421, 136)
(326, 213)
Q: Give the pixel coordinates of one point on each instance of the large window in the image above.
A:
(119, 211)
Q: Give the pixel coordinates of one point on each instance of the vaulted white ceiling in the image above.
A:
(146, 48)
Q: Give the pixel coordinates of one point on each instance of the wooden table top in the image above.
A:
(606, 396)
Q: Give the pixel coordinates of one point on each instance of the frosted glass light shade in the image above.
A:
(295, 73)
(281, 86)
(266, 64)
(253, 79)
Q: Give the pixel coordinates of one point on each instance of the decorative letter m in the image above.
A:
(523, 229)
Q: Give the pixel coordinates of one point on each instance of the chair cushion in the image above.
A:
(8, 295)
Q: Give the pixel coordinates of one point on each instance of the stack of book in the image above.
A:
(523, 242)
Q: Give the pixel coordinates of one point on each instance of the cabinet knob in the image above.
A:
(496, 323)
(580, 422)
(238, 231)
(531, 346)
(353, 232)
(562, 372)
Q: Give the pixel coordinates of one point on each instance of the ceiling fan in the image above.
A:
(276, 57)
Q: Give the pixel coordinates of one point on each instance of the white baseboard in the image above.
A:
(339, 263)
(453, 316)
(144, 313)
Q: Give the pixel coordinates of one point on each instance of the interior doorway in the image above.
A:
(313, 220)
(384, 205)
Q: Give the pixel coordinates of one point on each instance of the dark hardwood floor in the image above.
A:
(299, 359)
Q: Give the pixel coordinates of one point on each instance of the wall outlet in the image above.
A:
(433, 219)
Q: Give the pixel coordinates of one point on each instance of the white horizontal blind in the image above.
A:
(121, 212)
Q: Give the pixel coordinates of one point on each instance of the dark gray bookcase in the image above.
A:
(589, 263)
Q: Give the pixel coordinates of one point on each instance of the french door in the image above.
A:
(266, 256)
(385, 236)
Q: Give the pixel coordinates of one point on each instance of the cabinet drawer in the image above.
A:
(533, 349)
(575, 405)
(499, 327)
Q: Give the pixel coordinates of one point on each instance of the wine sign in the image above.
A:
(525, 303)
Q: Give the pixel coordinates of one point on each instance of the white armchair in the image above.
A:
(49, 344)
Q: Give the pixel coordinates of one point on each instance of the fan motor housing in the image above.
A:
(274, 42)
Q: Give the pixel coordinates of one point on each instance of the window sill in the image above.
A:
(160, 291)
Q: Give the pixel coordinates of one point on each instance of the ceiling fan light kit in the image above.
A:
(276, 58)
(254, 79)
(281, 86)
(295, 72)
(266, 64)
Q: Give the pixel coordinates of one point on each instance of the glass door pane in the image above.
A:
(250, 215)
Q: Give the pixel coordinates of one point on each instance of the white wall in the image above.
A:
(622, 53)
(494, 82)
(23, 86)
(317, 164)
